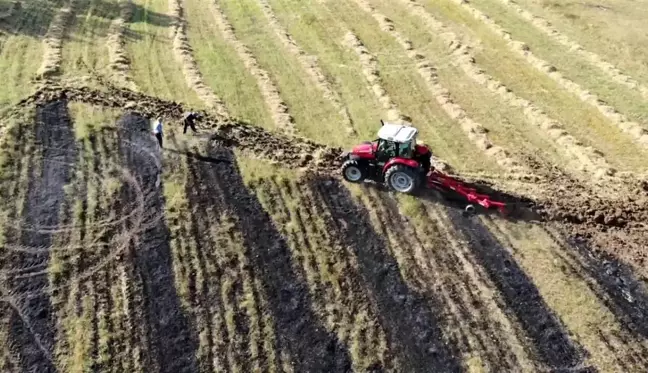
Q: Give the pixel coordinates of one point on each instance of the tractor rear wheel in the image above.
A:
(353, 172)
(402, 179)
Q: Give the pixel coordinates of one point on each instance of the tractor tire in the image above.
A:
(402, 179)
(353, 172)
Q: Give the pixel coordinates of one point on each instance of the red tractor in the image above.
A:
(394, 158)
(403, 165)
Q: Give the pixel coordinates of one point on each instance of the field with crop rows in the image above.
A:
(240, 248)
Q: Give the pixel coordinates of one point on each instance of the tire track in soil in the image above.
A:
(297, 328)
(32, 323)
(53, 41)
(548, 29)
(473, 130)
(119, 62)
(587, 157)
(169, 344)
(310, 65)
(633, 129)
(184, 55)
(270, 91)
(469, 315)
(551, 343)
(412, 328)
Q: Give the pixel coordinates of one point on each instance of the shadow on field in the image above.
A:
(173, 345)
(409, 319)
(615, 284)
(50, 170)
(551, 343)
(298, 329)
(33, 17)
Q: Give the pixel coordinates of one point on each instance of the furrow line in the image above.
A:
(53, 41)
(590, 159)
(474, 131)
(309, 64)
(548, 29)
(119, 62)
(279, 110)
(184, 54)
(633, 129)
(371, 72)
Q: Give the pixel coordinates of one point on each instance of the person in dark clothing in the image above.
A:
(190, 121)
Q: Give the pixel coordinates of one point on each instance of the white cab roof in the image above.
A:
(397, 132)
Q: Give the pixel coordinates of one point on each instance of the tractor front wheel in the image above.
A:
(402, 179)
(353, 172)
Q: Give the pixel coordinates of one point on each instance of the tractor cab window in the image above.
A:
(405, 150)
(386, 150)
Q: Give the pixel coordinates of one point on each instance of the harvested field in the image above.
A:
(240, 248)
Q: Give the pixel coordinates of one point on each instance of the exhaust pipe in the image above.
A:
(470, 209)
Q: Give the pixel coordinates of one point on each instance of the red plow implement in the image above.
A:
(450, 186)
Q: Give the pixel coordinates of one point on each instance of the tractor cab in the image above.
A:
(395, 140)
(394, 157)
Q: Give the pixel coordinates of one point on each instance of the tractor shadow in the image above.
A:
(408, 318)
(220, 186)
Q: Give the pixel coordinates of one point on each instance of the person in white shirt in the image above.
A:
(157, 130)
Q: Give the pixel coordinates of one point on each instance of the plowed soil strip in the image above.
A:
(268, 87)
(548, 29)
(119, 62)
(475, 131)
(32, 326)
(402, 311)
(298, 329)
(554, 350)
(163, 325)
(184, 54)
(309, 64)
(53, 41)
(633, 129)
(587, 158)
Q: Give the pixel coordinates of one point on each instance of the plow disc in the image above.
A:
(451, 187)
